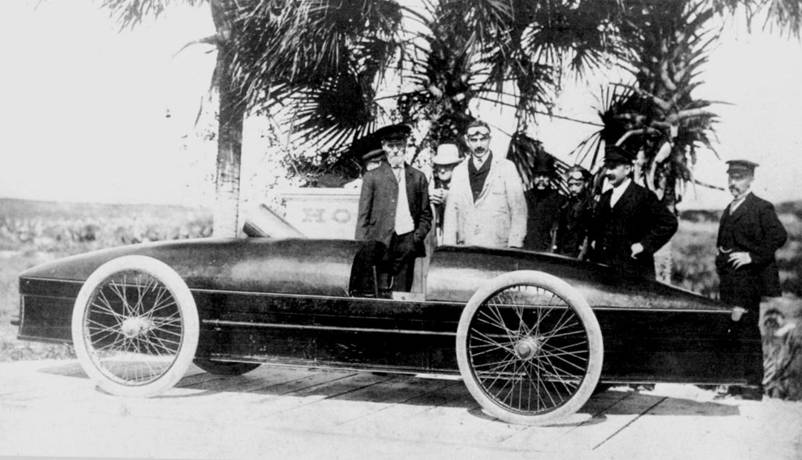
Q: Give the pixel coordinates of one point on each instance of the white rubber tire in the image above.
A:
(184, 301)
(576, 302)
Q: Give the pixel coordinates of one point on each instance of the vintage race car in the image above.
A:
(531, 334)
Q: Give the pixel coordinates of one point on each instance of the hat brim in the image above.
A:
(392, 132)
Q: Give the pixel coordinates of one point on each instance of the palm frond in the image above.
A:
(525, 152)
(129, 13)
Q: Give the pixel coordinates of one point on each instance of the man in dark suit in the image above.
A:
(748, 235)
(629, 224)
(543, 205)
(394, 208)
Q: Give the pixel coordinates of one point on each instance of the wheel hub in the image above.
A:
(527, 347)
(133, 327)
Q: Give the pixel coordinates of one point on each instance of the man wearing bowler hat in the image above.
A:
(543, 204)
(629, 224)
(394, 209)
(749, 234)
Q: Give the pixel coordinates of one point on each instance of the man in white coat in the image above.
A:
(485, 205)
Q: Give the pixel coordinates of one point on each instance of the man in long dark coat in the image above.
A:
(394, 208)
(629, 224)
(543, 204)
(749, 233)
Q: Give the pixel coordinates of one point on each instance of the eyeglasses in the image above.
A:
(479, 137)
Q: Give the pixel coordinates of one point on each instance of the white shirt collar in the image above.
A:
(618, 191)
(479, 162)
(739, 200)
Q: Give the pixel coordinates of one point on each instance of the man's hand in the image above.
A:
(739, 259)
(438, 196)
(636, 248)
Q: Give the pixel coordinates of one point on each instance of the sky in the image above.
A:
(91, 113)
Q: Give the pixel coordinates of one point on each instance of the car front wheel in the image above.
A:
(529, 348)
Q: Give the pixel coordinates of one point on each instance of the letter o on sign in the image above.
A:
(341, 216)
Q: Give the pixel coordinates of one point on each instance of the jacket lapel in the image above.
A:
(409, 178)
(625, 198)
(741, 210)
(389, 177)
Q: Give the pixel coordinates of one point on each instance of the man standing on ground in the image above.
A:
(574, 217)
(543, 203)
(486, 205)
(749, 233)
(394, 208)
(629, 224)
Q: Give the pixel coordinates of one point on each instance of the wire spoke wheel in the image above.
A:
(135, 326)
(529, 348)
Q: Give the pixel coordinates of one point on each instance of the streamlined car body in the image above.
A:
(531, 334)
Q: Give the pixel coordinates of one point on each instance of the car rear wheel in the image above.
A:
(529, 348)
(225, 367)
(135, 326)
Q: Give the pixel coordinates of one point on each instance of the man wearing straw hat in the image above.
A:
(443, 163)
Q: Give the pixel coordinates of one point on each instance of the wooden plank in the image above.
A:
(365, 402)
(289, 412)
(449, 414)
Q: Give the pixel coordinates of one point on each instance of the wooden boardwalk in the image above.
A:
(50, 408)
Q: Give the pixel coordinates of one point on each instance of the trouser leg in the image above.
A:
(402, 261)
(743, 291)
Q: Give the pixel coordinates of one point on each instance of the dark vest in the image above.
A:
(477, 177)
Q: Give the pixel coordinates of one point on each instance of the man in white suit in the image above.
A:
(485, 205)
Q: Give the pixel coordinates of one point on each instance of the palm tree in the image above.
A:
(129, 13)
(319, 56)
(509, 52)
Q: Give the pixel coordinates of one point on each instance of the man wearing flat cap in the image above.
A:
(629, 224)
(749, 234)
(543, 203)
(394, 208)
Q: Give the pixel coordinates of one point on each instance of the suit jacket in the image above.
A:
(754, 228)
(542, 212)
(377, 205)
(498, 216)
(573, 220)
(637, 217)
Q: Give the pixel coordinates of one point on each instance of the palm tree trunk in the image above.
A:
(663, 259)
(226, 214)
